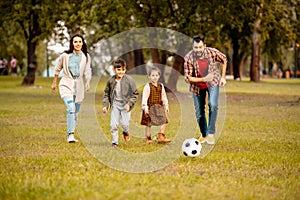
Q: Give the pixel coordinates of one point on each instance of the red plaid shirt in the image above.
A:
(191, 68)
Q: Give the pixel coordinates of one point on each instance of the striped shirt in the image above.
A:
(191, 67)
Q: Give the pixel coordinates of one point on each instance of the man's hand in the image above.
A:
(208, 77)
(222, 82)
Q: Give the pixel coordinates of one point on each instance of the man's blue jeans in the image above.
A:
(200, 102)
(72, 113)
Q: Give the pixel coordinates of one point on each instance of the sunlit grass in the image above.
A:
(256, 157)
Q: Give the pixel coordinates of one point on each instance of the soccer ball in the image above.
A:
(191, 147)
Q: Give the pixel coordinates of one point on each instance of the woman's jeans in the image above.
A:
(72, 113)
(199, 103)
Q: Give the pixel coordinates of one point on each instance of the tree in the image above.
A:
(278, 27)
(32, 19)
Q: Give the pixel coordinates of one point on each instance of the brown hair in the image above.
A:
(119, 62)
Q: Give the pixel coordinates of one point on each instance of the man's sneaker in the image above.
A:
(126, 136)
(210, 139)
(114, 145)
(202, 139)
(71, 139)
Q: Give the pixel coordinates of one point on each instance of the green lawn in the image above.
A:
(256, 156)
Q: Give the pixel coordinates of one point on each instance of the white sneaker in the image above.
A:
(210, 139)
(71, 138)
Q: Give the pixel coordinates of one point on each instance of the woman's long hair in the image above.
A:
(84, 46)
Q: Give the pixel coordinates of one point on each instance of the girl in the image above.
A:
(75, 64)
(155, 106)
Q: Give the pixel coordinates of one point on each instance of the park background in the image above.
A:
(257, 156)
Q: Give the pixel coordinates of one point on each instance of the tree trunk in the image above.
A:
(129, 61)
(32, 64)
(138, 61)
(162, 66)
(31, 36)
(128, 57)
(254, 68)
(175, 72)
(177, 67)
(243, 59)
(236, 58)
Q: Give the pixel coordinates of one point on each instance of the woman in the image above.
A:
(75, 63)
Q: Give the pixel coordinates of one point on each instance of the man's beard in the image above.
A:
(198, 54)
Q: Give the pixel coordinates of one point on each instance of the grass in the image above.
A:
(256, 157)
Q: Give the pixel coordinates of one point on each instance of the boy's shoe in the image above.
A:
(162, 138)
(148, 140)
(126, 136)
(210, 139)
(114, 145)
(71, 138)
(202, 139)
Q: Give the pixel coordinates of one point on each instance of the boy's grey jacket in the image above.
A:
(128, 91)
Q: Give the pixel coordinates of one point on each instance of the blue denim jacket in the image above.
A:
(129, 93)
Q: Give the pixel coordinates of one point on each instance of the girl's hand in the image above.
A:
(104, 110)
(167, 110)
(127, 107)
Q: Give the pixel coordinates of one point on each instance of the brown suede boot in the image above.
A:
(162, 138)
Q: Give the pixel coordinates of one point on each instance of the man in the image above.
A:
(201, 72)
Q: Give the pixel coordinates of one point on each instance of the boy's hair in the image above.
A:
(154, 69)
(119, 62)
(198, 38)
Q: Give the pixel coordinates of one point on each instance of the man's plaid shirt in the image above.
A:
(191, 68)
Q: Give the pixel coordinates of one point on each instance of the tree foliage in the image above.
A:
(228, 25)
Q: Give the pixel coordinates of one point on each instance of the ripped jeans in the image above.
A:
(72, 113)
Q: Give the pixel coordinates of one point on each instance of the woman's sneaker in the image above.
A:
(71, 138)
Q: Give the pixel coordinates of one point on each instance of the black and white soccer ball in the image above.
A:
(191, 147)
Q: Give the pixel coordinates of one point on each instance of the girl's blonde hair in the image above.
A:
(154, 69)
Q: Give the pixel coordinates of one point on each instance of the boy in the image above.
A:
(121, 93)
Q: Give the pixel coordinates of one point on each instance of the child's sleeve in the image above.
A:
(105, 99)
(146, 94)
(164, 97)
